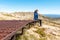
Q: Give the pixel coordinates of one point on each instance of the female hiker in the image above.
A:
(36, 17)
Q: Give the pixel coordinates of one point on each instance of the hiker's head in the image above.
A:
(36, 10)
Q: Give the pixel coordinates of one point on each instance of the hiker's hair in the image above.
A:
(35, 10)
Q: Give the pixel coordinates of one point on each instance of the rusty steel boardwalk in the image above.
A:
(10, 27)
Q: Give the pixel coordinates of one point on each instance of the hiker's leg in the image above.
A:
(40, 22)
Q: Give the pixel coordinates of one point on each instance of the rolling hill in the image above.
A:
(50, 29)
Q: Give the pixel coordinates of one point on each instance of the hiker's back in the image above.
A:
(35, 15)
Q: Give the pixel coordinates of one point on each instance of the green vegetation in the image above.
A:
(31, 34)
(41, 32)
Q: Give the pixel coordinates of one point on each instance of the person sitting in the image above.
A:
(36, 17)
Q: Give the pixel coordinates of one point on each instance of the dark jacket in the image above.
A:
(35, 15)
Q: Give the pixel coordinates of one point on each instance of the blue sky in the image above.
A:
(44, 6)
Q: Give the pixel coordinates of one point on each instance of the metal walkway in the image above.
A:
(9, 27)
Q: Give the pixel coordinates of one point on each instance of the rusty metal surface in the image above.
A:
(9, 27)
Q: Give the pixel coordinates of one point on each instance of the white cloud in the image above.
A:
(50, 11)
